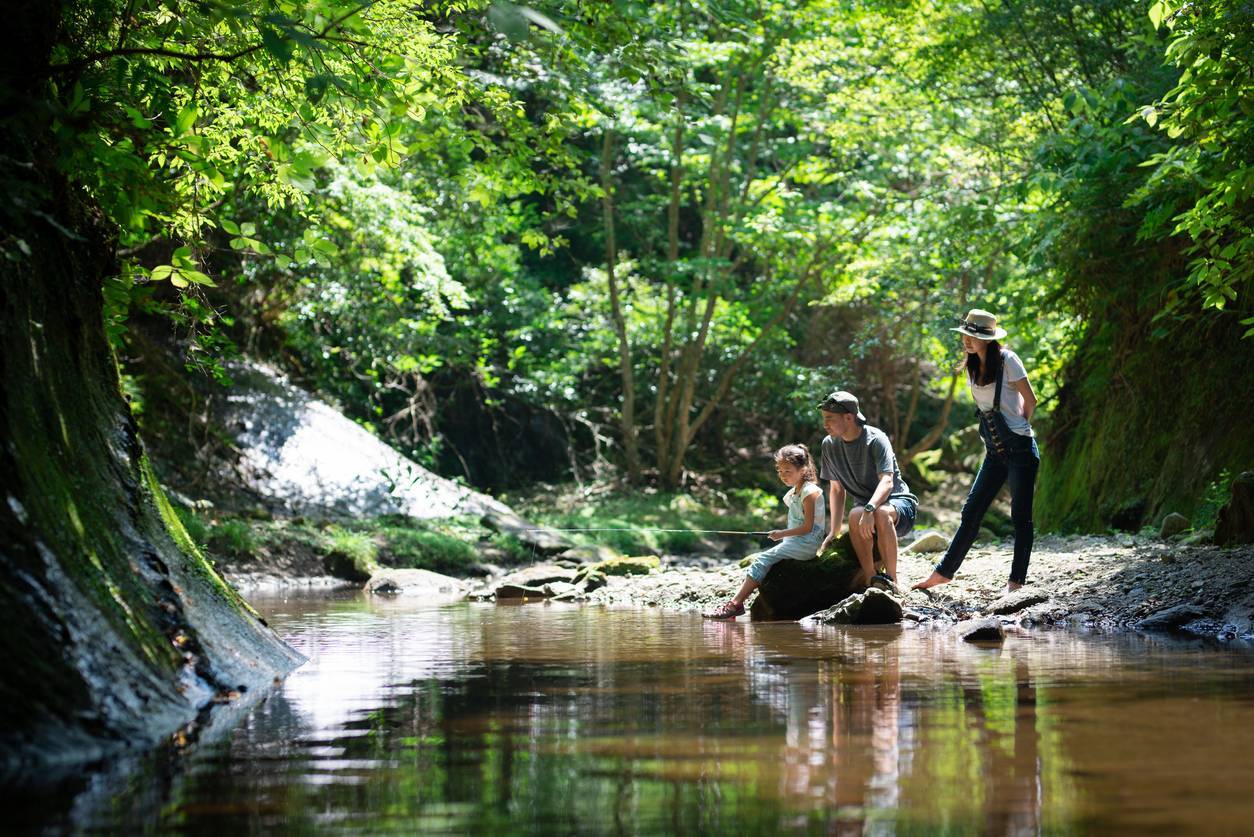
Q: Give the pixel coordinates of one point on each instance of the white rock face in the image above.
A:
(303, 454)
(303, 451)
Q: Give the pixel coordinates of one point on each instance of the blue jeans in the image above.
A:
(906, 511)
(795, 548)
(1018, 467)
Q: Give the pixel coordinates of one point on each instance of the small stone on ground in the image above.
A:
(1171, 617)
(988, 629)
(1017, 600)
(929, 542)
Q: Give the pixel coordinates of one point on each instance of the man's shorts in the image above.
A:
(906, 510)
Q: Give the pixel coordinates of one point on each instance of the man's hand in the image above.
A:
(823, 546)
(867, 525)
(775, 535)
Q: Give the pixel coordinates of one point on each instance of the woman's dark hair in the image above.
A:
(979, 376)
(798, 456)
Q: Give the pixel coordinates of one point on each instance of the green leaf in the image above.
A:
(541, 20)
(160, 273)
(79, 103)
(186, 119)
(1156, 12)
(138, 119)
(231, 227)
(316, 88)
(197, 277)
(276, 44)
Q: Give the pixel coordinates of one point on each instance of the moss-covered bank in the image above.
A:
(117, 631)
(1148, 425)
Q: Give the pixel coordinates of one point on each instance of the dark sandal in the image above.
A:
(883, 581)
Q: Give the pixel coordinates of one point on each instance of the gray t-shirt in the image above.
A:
(857, 465)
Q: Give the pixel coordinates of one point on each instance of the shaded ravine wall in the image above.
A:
(117, 632)
(1144, 426)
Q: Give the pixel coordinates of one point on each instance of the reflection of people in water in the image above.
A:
(1011, 769)
(866, 719)
(841, 705)
(866, 752)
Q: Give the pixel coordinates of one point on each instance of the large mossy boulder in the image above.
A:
(796, 589)
(624, 565)
(870, 607)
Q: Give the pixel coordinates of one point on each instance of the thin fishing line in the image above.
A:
(637, 529)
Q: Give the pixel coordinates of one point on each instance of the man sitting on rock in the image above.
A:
(858, 459)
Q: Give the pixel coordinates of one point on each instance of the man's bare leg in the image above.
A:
(863, 547)
(886, 535)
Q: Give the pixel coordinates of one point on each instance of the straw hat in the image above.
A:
(981, 325)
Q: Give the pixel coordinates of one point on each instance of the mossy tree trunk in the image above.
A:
(116, 630)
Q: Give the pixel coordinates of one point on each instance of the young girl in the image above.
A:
(806, 525)
(1004, 403)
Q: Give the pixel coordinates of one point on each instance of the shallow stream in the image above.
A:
(561, 719)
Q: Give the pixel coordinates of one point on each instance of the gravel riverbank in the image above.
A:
(1088, 582)
(1085, 581)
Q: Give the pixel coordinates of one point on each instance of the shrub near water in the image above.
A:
(630, 515)
(423, 549)
(234, 538)
(351, 555)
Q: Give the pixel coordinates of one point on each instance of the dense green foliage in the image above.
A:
(320, 546)
(581, 239)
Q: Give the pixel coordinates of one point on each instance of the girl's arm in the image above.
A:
(807, 506)
(1024, 387)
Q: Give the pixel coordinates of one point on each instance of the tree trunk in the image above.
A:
(627, 415)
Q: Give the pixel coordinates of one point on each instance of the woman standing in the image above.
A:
(1004, 402)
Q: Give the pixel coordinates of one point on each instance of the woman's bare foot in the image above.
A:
(933, 580)
(1010, 587)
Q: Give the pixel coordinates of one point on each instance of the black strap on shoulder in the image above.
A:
(1001, 374)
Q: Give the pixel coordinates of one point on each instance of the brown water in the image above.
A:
(550, 719)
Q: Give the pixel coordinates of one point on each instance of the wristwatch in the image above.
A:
(869, 508)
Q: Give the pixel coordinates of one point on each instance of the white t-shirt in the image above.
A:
(796, 511)
(1011, 401)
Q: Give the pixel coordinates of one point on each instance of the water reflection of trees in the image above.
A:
(718, 726)
(578, 721)
(546, 719)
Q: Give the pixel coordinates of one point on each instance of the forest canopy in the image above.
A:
(668, 228)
